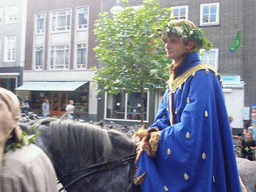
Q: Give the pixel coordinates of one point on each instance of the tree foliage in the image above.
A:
(132, 60)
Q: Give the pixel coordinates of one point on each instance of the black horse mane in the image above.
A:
(74, 146)
(89, 140)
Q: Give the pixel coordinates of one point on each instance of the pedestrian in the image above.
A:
(70, 109)
(26, 105)
(248, 145)
(188, 147)
(23, 166)
(46, 108)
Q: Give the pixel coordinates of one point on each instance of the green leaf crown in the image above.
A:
(186, 33)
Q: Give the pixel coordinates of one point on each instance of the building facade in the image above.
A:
(12, 42)
(59, 55)
(220, 21)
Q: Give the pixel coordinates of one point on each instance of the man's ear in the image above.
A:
(191, 45)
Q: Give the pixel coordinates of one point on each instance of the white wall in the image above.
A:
(234, 98)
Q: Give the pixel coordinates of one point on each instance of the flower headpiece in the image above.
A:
(187, 32)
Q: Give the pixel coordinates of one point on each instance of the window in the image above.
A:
(82, 18)
(126, 106)
(39, 55)
(1, 15)
(209, 14)
(180, 12)
(211, 57)
(81, 56)
(60, 21)
(11, 14)
(59, 57)
(40, 23)
(10, 48)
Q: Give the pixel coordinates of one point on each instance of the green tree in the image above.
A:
(133, 60)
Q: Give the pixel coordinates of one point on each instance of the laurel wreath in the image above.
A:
(186, 33)
(26, 139)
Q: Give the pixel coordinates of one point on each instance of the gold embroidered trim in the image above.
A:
(182, 78)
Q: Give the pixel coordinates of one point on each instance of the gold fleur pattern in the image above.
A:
(176, 111)
(203, 156)
(187, 135)
(188, 100)
(168, 151)
(186, 177)
(206, 114)
(167, 109)
(213, 179)
(207, 71)
(165, 188)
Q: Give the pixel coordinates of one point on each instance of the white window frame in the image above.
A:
(209, 23)
(126, 109)
(82, 10)
(1, 15)
(11, 14)
(81, 66)
(13, 47)
(54, 28)
(53, 65)
(36, 18)
(216, 50)
(38, 67)
(179, 7)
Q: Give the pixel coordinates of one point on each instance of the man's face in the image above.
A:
(175, 48)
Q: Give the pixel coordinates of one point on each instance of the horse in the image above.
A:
(87, 157)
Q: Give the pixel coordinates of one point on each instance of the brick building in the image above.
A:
(12, 42)
(220, 21)
(59, 55)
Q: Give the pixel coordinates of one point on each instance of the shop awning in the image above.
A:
(50, 86)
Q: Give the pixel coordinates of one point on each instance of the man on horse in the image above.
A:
(195, 149)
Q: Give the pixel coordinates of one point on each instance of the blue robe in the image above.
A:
(196, 153)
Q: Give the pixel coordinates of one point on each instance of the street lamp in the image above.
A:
(116, 8)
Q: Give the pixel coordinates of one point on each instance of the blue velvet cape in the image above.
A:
(196, 153)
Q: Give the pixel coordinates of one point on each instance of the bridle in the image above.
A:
(105, 166)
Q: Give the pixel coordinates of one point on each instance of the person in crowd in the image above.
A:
(26, 105)
(46, 108)
(70, 109)
(25, 168)
(248, 145)
(231, 119)
(247, 125)
(187, 148)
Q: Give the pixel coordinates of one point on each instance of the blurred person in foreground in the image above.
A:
(25, 167)
(188, 147)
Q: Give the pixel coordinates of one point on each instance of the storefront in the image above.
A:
(58, 93)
